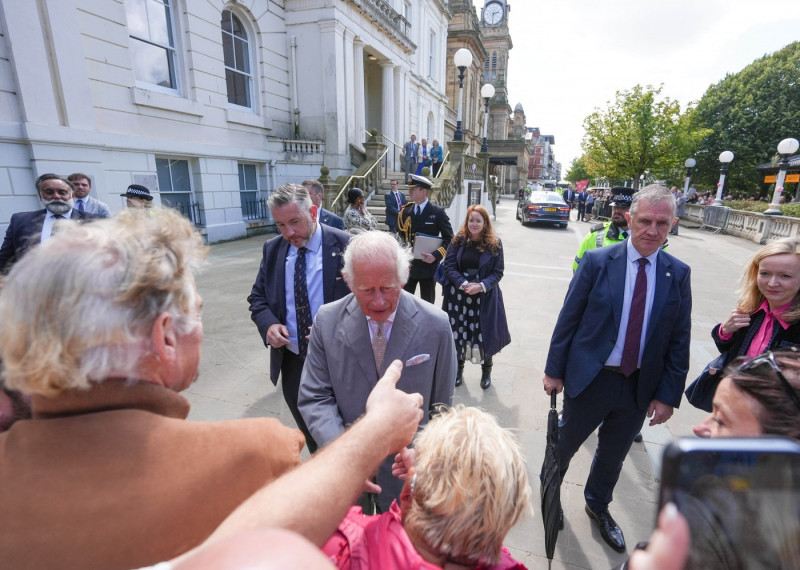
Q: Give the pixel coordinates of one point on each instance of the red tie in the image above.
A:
(633, 335)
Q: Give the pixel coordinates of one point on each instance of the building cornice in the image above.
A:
(385, 17)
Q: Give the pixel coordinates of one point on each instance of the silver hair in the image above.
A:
(291, 194)
(653, 194)
(373, 248)
(82, 304)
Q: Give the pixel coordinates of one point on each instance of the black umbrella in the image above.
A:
(551, 482)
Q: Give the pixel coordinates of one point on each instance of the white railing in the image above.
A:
(753, 226)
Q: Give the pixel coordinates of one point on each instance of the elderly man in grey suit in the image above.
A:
(83, 201)
(354, 340)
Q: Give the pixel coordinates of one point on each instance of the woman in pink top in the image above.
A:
(466, 486)
(768, 312)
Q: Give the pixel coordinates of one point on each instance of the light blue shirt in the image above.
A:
(632, 268)
(420, 206)
(49, 222)
(313, 283)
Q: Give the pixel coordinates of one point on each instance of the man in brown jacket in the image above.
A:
(102, 327)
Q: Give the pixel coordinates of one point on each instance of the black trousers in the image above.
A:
(609, 400)
(291, 369)
(427, 288)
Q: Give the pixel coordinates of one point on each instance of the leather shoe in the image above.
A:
(486, 381)
(609, 529)
(638, 437)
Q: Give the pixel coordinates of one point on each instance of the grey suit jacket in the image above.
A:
(340, 371)
(96, 207)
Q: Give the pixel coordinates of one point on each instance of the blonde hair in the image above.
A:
(82, 304)
(470, 486)
(750, 297)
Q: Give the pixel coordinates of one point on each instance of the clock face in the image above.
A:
(493, 13)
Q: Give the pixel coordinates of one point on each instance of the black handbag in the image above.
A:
(700, 393)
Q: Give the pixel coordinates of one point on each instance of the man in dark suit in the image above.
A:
(420, 216)
(316, 192)
(394, 203)
(569, 197)
(354, 341)
(26, 229)
(620, 348)
(300, 271)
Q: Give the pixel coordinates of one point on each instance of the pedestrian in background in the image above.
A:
(472, 298)
(437, 157)
(356, 217)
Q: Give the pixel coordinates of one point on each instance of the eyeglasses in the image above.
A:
(769, 358)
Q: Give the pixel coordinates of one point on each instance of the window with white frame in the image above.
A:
(248, 189)
(174, 184)
(407, 10)
(236, 52)
(432, 55)
(152, 34)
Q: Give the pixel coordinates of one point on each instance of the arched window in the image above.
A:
(494, 66)
(236, 51)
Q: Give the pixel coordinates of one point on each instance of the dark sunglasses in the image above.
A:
(769, 358)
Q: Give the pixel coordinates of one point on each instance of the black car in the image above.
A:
(543, 207)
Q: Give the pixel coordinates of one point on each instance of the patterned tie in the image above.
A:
(379, 347)
(80, 205)
(633, 335)
(301, 305)
(397, 197)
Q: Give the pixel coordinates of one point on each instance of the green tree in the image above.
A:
(749, 113)
(639, 131)
(577, 170)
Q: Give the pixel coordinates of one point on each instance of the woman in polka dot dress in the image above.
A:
(473, 267)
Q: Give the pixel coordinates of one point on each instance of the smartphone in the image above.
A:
(741, 498)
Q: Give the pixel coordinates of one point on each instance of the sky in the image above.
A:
(572, 56)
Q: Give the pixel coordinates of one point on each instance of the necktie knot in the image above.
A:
(642, 261)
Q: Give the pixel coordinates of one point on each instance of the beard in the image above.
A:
(59, 207)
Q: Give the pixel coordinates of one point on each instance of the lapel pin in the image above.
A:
(669, 274)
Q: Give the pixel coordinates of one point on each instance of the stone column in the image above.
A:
(350, 88)
(359, 99)
(388, 107)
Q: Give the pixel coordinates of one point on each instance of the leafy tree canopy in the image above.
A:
(639, 131)
(749, 113)
(577, 170)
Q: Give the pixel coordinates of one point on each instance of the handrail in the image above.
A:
(444, 161)
(385, 137)
(346, 185)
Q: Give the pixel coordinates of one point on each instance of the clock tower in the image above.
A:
(497, 42)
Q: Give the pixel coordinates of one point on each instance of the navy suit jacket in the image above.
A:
(588, 324)
(392, 209)
(330, 219)
(268, 297)
(23, 232)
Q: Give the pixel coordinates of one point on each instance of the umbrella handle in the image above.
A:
(553, 396)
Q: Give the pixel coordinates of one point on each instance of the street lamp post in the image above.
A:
(725, 158)
(462, 59)
(786, 148)
(689, 164)
(487, 92)
(641, 181)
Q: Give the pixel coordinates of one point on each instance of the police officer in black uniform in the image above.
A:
(420, 216)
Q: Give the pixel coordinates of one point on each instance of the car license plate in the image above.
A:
(551, 209)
